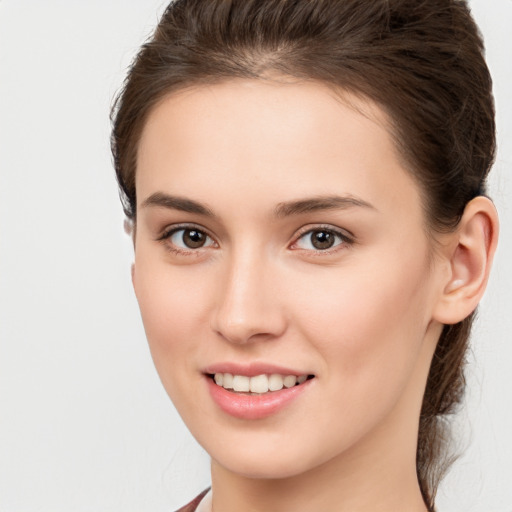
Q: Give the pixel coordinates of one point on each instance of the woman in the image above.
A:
(305, 183)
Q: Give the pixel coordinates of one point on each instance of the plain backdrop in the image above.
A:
(84, 422)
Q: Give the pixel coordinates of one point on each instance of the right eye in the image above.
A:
(188, 239)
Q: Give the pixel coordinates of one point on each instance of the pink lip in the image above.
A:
(251, 369)
(254, 407)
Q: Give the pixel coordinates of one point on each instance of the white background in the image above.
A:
(84, 422)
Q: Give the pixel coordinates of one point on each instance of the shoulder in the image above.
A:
(192, 506)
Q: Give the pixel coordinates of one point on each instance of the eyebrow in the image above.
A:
(182, 204)
(285, 209)
(320, 203)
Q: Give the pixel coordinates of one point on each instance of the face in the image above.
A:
(283, 273)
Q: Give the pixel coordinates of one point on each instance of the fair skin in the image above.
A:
(278, 232)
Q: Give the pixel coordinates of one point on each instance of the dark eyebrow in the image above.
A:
(318, 203)
(177, 203)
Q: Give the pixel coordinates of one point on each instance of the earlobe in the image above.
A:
(471, 251)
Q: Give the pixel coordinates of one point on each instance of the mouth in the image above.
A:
(263, 384)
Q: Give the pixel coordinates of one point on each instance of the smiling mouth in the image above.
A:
(259, 384)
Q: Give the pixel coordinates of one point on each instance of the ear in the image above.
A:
(470, 252)
(130, 230)
(129, 227)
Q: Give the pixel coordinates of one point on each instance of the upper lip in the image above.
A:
(251, 369)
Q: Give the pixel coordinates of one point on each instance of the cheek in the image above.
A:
(368, 320)
(368, 328)
(172, 305)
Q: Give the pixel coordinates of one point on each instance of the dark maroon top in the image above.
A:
(191, 507)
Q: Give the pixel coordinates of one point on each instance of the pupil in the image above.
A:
(193, 238)
(322, 239)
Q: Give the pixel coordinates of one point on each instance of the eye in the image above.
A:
(320, 239)
(189, 238)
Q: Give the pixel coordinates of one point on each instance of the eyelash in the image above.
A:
(344, 239)
(167, 235)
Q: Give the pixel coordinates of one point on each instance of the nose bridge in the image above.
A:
(247, 306)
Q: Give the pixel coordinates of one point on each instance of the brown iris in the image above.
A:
(322, 239)
(193, 238)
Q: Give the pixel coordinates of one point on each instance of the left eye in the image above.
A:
(190, 238)
(319, 240)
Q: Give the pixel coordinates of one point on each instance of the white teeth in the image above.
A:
(227, 381)
(258, 384)
(289, 381)
(275, 382)
(241, 383)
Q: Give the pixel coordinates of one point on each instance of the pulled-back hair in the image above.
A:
(421, 61)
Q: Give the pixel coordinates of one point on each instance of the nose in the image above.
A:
(248, 305)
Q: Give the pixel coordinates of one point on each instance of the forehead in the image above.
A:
(269, 142)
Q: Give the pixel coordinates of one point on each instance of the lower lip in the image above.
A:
(254, 407)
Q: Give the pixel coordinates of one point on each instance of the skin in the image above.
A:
(363, 317)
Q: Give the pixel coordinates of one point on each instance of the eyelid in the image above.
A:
(169, 230)
(165, 236)
(346, 236)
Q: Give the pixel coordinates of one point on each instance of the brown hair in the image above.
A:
(420, 60)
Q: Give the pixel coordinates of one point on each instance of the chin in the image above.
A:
(263, 467)
(269, 457)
